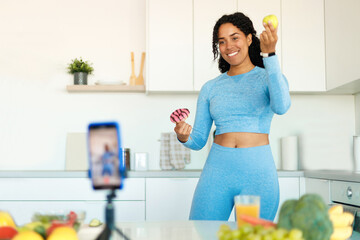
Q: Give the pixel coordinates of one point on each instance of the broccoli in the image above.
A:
(309, 214)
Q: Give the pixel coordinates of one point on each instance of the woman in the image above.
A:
(241, 102)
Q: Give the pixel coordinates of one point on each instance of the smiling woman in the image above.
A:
(241, 102)
(234, 47)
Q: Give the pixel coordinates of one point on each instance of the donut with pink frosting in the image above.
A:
(179, 115)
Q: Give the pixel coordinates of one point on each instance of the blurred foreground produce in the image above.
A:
(50, 227)
(309, 214)
(257, 221)
(6, 219)
(7, 232)
(28, 235)
(342, 223)
(62, 233)
(258, 232)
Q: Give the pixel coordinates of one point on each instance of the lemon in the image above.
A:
(6, 220)
(95, 223)
(28, 235)
(63, 233)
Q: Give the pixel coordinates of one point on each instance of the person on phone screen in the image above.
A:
(108, 161)
(241, 102)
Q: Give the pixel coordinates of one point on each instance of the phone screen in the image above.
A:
(104, 156)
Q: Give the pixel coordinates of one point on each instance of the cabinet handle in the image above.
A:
(349, 192)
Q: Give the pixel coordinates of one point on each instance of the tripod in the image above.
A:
(110, 227)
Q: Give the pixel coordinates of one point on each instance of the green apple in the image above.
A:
(273, 19)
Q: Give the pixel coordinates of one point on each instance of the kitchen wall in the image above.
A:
(40, 37)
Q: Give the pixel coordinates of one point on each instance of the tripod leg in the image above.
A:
(121, 234)
(105, 234)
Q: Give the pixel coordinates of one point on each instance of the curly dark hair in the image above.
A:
(245, 25)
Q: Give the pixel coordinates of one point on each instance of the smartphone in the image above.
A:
(106, 163)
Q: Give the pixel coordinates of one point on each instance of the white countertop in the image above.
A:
(167, 230)
(164, 230)
(321, 174)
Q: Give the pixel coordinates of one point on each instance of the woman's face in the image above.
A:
(233, 44)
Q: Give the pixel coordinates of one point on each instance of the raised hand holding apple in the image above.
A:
(269, 37)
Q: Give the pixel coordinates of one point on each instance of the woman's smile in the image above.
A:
(233, 54)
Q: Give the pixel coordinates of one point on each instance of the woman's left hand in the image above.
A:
(268, 38)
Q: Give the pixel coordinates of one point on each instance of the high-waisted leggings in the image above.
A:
(232, 171)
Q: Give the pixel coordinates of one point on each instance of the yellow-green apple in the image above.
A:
(271, 18)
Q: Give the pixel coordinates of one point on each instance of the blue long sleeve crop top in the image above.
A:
(240, 103)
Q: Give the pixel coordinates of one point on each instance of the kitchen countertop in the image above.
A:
(162, 230)
(167, 230)
(320, 174)
(131, 174)
(334, 175)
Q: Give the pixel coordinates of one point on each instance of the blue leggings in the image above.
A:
(232, 171)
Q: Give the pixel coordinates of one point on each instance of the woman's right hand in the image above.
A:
(182, 130)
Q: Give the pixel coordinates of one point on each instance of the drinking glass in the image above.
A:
(246, 205)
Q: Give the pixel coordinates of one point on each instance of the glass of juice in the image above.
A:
(246, 205)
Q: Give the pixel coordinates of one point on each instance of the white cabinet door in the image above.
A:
(256, 10)
(318, 186)
(65, 189)
(342, 43)
(289, 189)
(303, 44)
(169, 45)
(206, 13)
(169, 198)
(22, 211)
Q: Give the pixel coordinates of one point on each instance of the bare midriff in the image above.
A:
(242, 139)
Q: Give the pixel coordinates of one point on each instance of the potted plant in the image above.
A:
(80, 69)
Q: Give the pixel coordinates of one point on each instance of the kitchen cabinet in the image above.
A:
(205, 68)
(318, 186)
(303, 44)
(169, 45)
(22, 197)
(342, 44)
(317, 53)
(169, 198)
(180, 43)
(304, 69)
(289, 189)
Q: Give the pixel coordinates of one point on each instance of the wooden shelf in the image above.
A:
(105, 88)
